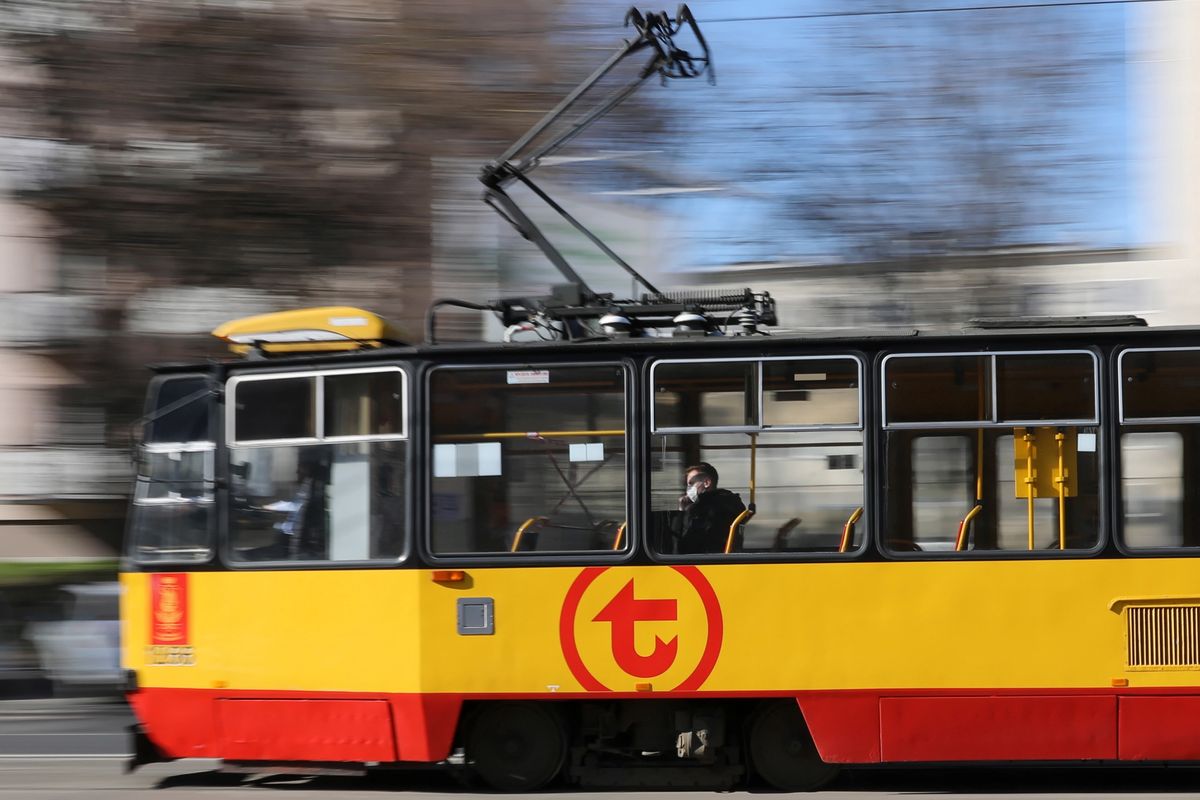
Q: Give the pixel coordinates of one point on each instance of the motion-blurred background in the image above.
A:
(166, 165)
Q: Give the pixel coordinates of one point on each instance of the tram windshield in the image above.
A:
(171, 519)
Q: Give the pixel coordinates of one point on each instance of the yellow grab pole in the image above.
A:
(753, 464)
(979, 450)
(1061, 480)
(979, 466)
(749, 512)
(1031, 481)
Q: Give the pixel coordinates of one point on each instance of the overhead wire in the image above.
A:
(883, 12)
(942, 10)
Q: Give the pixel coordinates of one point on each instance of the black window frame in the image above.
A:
(227, 441)
(214, 445)
(1119, 426)
(1105, 465)
(633, 530)
(864, 427)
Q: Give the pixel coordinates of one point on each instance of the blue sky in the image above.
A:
(810, 115)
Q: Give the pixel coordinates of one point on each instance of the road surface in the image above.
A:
(76, 749)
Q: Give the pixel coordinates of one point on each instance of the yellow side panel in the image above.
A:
(345, 630)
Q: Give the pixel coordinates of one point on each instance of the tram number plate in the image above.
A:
(162, 655)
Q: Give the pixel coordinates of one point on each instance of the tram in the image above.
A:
(348, 550)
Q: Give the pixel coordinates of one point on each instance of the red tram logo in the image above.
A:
(623, 612)
(168, 609)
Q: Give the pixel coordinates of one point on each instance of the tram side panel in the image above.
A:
(888, 661)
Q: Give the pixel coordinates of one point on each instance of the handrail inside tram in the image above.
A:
(964, 528)
(526, 525)
(620, 535)
(466, 437)
(848, 529)
(738, 521)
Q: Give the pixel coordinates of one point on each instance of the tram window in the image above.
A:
(318, 502)
(178, 411)
(336, 491)
(1160, 448)
(364, 404)
(528, 460)
(1059, 386)
(807, 499)
(810, 392)
(275, 408)
(973, 481)
(171, 518)
(705, 394)
(941, 490)
(1160, 384)
(938, 389)
(1152, 488)
(1012, 509)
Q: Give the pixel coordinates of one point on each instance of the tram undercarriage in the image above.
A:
(607, 744)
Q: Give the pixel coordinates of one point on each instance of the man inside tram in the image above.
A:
(706, 512)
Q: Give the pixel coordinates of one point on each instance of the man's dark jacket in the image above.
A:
(703, 527)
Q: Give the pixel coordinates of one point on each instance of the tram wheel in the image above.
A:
(783, 751)
(516, 747)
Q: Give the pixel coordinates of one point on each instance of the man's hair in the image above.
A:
(705, 469)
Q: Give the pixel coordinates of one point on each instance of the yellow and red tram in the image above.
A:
(973, 545)
(952, 546)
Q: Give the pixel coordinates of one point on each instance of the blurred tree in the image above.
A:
(941, 133)
(283, 147)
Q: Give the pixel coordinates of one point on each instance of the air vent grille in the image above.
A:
(1164, 636)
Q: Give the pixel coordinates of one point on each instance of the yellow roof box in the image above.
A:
(309, 330)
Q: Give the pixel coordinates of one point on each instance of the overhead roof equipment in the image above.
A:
(575, 310)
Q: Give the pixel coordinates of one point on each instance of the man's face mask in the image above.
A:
(693, 491)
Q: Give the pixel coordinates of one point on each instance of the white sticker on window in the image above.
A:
(1086, 443)
(529, 376)
(466, 460)
(587, 452)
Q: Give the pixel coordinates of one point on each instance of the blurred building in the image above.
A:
(1165, 96)
(61, 490)
(949, 291)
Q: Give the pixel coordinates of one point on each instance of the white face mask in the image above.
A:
(693, 491)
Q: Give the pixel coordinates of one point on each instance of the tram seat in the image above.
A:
(964, 528)
(785, 530)
(902, 545)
